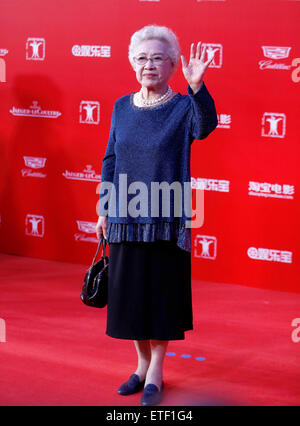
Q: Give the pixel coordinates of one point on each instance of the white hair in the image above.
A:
(159, 33)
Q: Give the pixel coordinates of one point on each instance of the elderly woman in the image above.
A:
(149, 299)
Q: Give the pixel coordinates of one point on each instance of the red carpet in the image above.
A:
(56, 351)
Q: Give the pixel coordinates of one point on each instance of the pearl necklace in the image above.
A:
(149, 102)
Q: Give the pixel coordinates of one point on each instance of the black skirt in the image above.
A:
(149, 291)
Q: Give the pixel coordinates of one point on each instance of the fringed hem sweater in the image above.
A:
(151, 146)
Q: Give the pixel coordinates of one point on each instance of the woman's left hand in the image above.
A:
(194, 71)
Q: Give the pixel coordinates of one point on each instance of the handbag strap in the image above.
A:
(101, 240)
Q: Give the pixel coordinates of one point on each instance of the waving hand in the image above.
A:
(194, 71)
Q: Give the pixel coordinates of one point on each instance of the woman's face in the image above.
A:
(151, 75)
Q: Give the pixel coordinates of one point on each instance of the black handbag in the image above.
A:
(95, 288)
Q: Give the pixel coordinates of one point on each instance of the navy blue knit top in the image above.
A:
(147, 145)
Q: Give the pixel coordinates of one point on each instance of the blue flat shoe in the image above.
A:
(132, 385)
(152, 395)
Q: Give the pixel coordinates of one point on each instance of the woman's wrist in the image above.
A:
(196, 88)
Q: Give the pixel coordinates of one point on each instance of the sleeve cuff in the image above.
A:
(199, 92)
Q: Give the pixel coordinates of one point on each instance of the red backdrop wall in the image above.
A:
(63, 65)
